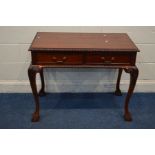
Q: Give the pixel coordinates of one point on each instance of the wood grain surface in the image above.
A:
(60, 41)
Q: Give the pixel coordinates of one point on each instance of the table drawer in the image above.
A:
(62, 59)
(108, 59)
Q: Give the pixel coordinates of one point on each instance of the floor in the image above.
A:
(77, 111)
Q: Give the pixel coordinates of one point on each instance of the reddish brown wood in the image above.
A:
(133, 71)
(108, 59)
(61, 41)
(61, 58)
(42, 90)
(32, 71)
(84, 50)
(88, 58)
(118, 91)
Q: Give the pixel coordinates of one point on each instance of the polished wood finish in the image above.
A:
(133, 71)
(84, 50)
(60, 41)
(52, 58)
(118, 91)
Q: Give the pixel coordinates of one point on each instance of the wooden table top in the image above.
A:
(60, 41)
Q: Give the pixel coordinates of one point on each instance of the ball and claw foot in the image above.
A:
(128, 117)
(35, 117)
(42, 93)
(118, 92)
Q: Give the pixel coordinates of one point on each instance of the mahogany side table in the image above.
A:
(84, 50)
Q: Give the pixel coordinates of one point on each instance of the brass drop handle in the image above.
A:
(113, 58)
(103, 58)
(64, 58)
(54, 58)
(59, 61)
(108, 61)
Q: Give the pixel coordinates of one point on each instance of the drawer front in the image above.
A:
(57, 59)
(113, 59)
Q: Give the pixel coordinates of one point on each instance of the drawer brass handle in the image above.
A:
(108, 61)
(59, 60)
(103, 58)
(64, 58)
(54, 58)
(113, 58)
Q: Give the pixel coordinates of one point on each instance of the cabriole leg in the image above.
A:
(133, 71)
(42, 90)
(32, 71)
(118, 91)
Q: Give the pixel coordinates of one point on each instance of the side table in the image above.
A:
(83, 50)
